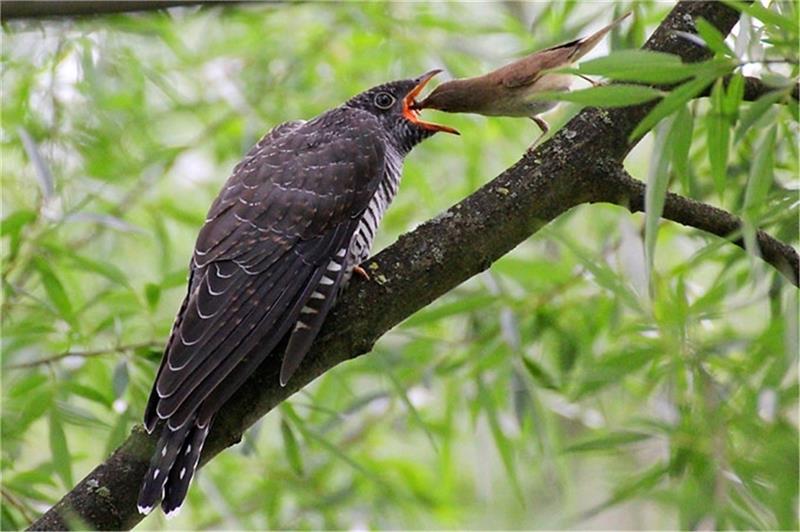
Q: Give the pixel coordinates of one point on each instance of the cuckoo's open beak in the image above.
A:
(410, 106)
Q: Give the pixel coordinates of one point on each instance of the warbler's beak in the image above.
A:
(411, 109)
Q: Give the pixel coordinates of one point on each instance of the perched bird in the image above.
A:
(511, 89)
(292, 222)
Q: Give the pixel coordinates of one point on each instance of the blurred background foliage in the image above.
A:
(566, 387)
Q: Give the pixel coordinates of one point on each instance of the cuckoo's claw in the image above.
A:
(361, 272)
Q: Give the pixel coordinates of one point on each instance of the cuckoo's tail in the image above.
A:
(172, 468)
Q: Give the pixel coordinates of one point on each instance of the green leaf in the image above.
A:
(120, 378)
(14, 222)
(292, 449)
(656, 193)
(463, 305)
(539, 374)
(756, 111)
(118, 433)
(680, 140)
(62, 461)
(106, 269)
(605, 95)
(607, 442)
(712, 37)
(310, 434)
(152, 294)
(734, 94)
(634, 487)
(87, 393)
(638, 65)
(718, 138)
(767, 16)
(400, 390)
(500, 440)
(54, 289)
(677, 98)
(26, 385)
(605, 276)
(761, 173)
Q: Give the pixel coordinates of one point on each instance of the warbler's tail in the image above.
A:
(585, 45)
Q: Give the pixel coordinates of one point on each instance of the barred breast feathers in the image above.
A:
(385, 193)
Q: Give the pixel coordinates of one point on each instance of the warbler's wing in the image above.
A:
(527, 70)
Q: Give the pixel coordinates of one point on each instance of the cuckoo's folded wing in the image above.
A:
(287, 210)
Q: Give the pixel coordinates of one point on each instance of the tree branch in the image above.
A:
(754, 89)
(17, 9)
(630, 194)
(580, 164)
(84, 354)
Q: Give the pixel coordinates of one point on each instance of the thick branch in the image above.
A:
(418, 268)
(66, 8)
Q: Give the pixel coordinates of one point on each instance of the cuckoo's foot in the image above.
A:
(361, 272)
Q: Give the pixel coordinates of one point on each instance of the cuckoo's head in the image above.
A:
(394, 105)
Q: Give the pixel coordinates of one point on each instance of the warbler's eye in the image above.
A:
(384, 100)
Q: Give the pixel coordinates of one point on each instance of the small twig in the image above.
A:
(707, 218)
(754, 89)
(16, 503)
(84, 354)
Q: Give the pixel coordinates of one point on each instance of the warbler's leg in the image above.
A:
(590, 80)
(543, 126)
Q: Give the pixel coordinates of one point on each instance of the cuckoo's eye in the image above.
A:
(384, 100)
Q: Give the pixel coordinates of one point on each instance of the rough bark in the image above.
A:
(581, 164)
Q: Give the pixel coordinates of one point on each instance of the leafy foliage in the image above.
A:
(576, 384)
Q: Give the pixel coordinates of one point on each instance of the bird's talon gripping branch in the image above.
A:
(361, 272)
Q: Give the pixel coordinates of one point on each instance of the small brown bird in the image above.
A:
(511, 89)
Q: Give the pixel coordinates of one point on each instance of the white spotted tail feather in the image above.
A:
(167, 450)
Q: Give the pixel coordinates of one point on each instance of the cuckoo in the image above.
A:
(291, 224)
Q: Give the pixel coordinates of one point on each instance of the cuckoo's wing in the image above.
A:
(267, 243)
